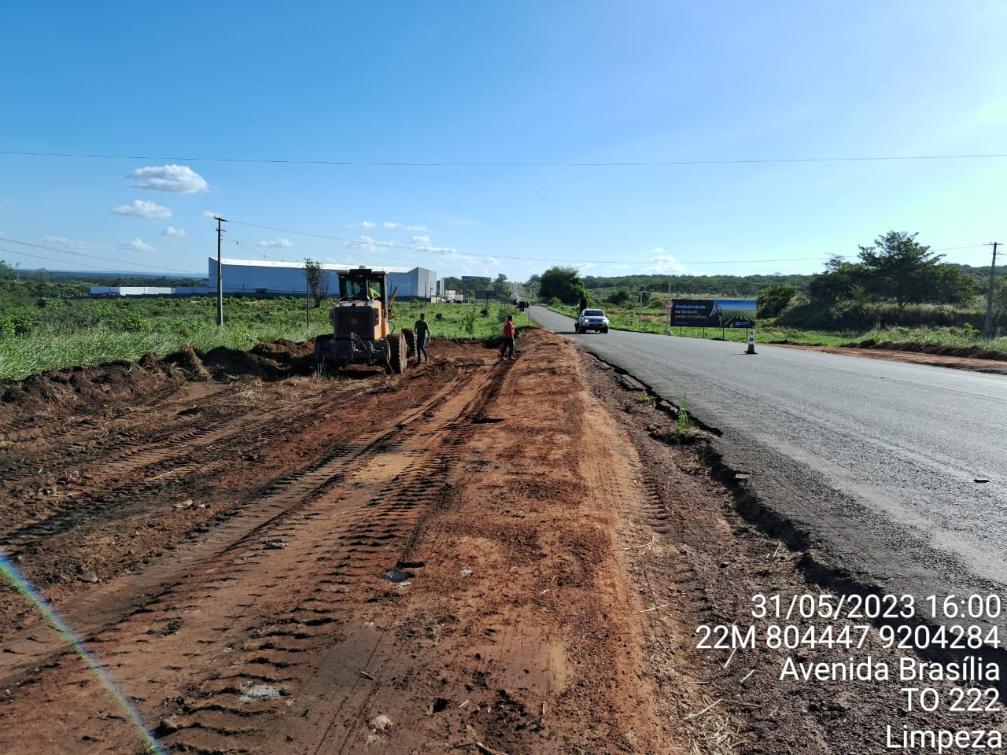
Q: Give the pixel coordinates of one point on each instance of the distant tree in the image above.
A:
(502, 287)
(318, 281)
(841, 281)
(898, 267)
(999, 305)
(619, 297)
(531, 287)
(471, 288)
(775, 299)
(562, 283)
(952, 286)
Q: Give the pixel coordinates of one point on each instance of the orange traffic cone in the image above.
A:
(751, 342)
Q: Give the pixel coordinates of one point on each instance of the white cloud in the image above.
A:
(391, 226)
(364, 242)
(173, 231)
(367, 243)
(136, 245)
(477, 265)
(424, 244)
(277, 244)
(141, 208)
(210, 214)
(437, 249)
(663, 262)
(366, 224)
(178, 179)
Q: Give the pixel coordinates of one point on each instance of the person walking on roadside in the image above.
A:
(509, 334)
(422, 330)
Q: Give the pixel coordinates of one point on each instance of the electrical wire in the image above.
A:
(52, 259)
(368, 245)
(516, 164)
(142, 266)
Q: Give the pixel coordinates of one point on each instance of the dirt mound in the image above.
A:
(124, 382)
(274, 360)
(187, 360)
(268, 362)
(970, 352)
(116, 381)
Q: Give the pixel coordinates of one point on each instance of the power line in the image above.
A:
(370, 246)
(52, 259)
(515, 164)
(142, 266)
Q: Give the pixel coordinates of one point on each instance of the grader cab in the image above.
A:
(361, 327)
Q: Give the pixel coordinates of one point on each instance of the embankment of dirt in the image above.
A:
(971, 352)
(976, 360)
(123, 381)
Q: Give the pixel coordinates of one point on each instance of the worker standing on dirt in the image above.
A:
(422, 330)
(509, 334)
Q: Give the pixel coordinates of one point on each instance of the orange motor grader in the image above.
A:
(361, 325)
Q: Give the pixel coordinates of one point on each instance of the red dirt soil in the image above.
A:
(223, 550)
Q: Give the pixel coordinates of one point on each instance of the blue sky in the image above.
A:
(516, 82)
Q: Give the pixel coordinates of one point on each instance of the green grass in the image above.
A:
(71, 332)
(655, 321)
(933, 337)
(459, 321)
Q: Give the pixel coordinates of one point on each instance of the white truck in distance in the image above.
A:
(591, 319)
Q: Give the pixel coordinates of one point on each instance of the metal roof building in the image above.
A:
(110, 291)
(267, 277)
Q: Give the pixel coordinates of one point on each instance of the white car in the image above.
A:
(591, 319)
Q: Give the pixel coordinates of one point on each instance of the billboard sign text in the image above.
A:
(713, 313)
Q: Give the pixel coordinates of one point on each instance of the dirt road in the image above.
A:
(490, 556)
(225, 550)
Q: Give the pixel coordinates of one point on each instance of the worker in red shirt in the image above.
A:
(509, 334)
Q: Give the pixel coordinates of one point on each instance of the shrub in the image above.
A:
(619, 297)
(773, 300)
(132, 323)
(864, 315)
(15, 325)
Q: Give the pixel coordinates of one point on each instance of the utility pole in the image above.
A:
(988, 324)
(220, 275)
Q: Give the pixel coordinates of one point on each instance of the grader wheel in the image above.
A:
(410, 343)
(397, 351)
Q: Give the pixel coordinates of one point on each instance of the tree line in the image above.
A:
(894, 280)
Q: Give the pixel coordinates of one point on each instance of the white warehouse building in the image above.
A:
(266, 277)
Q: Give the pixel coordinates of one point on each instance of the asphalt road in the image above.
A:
(877, 460)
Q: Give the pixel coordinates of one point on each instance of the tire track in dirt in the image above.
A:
(34, 441)
(140, 466)
(338, 487)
